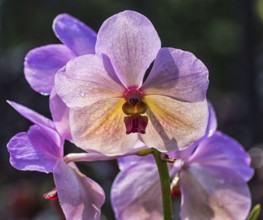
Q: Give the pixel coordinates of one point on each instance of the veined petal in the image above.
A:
(60, 115)
(73, 33)
(173, 124)
(210, 130)
(101, 127)
(135, 198)
(31, 115)
(221, 151)
(207, 195)
(79, 196)
(86, 80)
(38, 149)
(131, 42)
(42, 63)
(177, 74)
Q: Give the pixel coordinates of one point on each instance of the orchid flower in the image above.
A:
(113, 103)
(41, 149)
(42, 63)
(212, 182)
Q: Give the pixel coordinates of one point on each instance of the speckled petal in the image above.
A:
(86, 80)
(174, 124)
(177, 74)
(79, 196)
(101, 127)
(74, 34)
(42, 63)
(131, 42)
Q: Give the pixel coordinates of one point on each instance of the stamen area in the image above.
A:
(134, 107)
(129, 109)
(135, 124)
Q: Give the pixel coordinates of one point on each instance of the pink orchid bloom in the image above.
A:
(113, 104)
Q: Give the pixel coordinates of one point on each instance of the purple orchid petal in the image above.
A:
(177, 74)
(79, 196)
(128, 161)
(207, 195)
(60, 115)
(42, 63)
(221, 151)
(74, 34)
(86, 80)
(212, 121)
(136, 198)
(31, 115)
(100, 127)
(131, 42)
(38, 149)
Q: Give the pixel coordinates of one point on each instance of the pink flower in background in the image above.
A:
(111, 103)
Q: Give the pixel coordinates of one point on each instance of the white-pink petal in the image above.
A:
(100, 127)
(131, 42)
(86, 80)
(177, 74)
(173, 124)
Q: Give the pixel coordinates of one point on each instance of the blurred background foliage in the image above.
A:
(227, 35)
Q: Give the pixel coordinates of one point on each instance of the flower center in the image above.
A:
(134, 107)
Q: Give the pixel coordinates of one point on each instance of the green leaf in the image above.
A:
(253, 215)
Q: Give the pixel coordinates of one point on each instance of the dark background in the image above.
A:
(227, 35)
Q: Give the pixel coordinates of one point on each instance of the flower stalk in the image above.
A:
(165, 185)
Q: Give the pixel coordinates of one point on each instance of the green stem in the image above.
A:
(165, 185)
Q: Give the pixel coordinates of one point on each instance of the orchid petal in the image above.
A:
(79, 196)
(207, 195)
(142, 200)
(42, 63)
(31, 115)
(60, 115)
(38, 149)
(128, 161)
(131, 42)
(210, 130)
(173, 124)
(212, 121)
(177, 74)
(221, 151)
(101, 127)
(86, 80)
(74, 34)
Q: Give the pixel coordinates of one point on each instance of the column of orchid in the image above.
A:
(102, 101)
